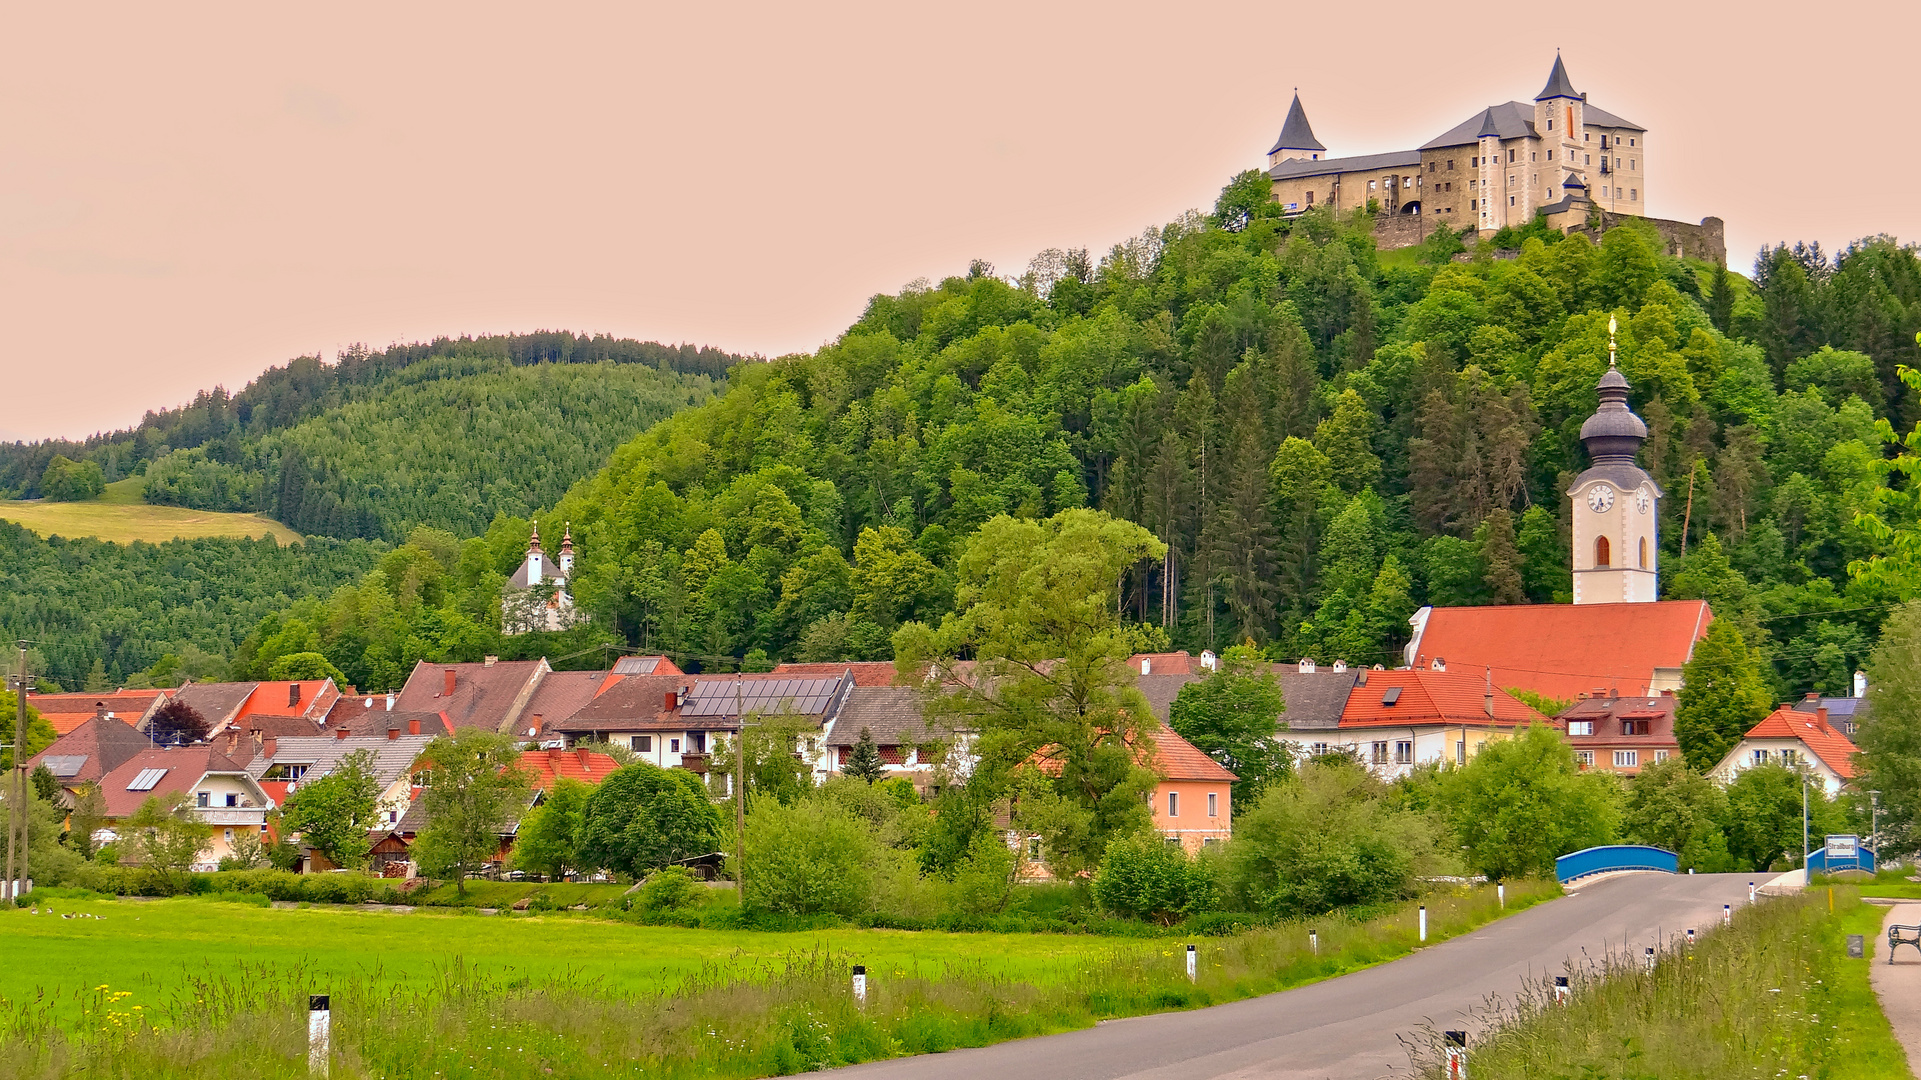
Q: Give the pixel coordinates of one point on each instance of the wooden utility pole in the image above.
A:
(1688, 515)
(17, 816)
(740, 800)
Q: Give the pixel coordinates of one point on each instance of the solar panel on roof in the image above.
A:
(1391, 695)
(146, 780)
(64, 765)
(719, 697)
(636, 665)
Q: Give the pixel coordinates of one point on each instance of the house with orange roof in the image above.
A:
(1396, 720)
(219, 791)
(545, 767)
(68, 711)
(1798, 740)
(864, 672)
(1562, 651)
(1194, 802)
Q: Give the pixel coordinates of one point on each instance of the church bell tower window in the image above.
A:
(1601, 551)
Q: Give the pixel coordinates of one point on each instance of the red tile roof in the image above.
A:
(309, 698)
(1177, 759)
(1431, 697)
(866, 672)
(1835, 750)
(485, 695)
(182, 766)
(1563, 650)
(548, 765)
(1164, 663)
(560, 695)
(102, 743)
(68, 711)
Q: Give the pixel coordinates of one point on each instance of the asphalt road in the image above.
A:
(1351, 1028)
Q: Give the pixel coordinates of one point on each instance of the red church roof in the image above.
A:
(1822, 740)
(1564, 650)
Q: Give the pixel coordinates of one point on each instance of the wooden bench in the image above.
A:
(1903, 935)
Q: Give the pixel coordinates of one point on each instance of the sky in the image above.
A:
(191, 193)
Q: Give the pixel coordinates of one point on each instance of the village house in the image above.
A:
(259, 708)
(87, 753)
(1394, 721)
(220, 792)
(895, 715)
(1620, 735)
(66, 712)
(292, 762)
(1799, 740)
(1845, 713)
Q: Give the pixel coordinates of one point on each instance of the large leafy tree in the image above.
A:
(1722, 696)
(1329, 837)
(474, 791)
(1034, 661)
(333, 813)
(1765, 816)
(1520, 803)
(549, 838)
(167, 838)
(176, 723)
(1890, 736)
(1233, 715)
(643, 817)
(1671, 806)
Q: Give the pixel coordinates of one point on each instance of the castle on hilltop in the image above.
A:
(1559, 156)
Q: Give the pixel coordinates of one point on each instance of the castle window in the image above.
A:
(1510, 200)
(1473, 204)
(1630, 142)
(1630, 164)
(1310, 198)
(1601, 551)
(1533, 156)
(1370, 185)
(1644, 553)
(1634, 194)
(1550, 125)
(1473, 163)
(1510, 156)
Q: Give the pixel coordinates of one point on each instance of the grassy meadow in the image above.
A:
(119, 516)
(196, 987)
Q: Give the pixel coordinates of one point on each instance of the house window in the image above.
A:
(1600, 551)
(1788, 757)
(1644, 553)
(202, 799)
(697, 743)
(1210, 841)
(673, 746)
(1510, 200)
(1760, 757)
(1380, 753)
(643, 744)
(1450, 164)
(1627, 759)
(1584, 758)
(1634, 727)
(1404, 752)
(233, 800)
(1033, 847)
(1460, 752)
(1660, 756)
(228, 836)
(1580, 727)
(1318, 749)
(1213, 804)
(1510, 156)
(1310, 198)
(1173, 804)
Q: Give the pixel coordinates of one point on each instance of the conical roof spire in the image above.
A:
(1296, 133)
(567, 539)
(533, 544)
(1487, 125)
(1557, 82)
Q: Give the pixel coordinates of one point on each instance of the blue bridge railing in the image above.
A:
(1819, 863)
(1601, 860)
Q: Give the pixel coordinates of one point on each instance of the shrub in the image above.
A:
(1145, 877)
(66, 480)
(1325, 839)
(643, 817)
(809, 859)
(669, 889)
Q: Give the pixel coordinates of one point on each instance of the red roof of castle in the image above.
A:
(1563, 650)
(1834, 749)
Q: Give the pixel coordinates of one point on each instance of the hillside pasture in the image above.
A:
(108, 518)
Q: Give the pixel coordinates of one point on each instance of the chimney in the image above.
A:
(1812, 696)
(1147, 666)
(413, 726)
(352, 691)
(1487, 695)
(1307, 666)
(340, 733)
(672, 701)
(585, 757)
(100, 710)
(1860, 684)
(1437, 664)
(268, 746)
(1821, 715)
(393, 732)
(1667, 693)
(449, 691)
(491, 661)
(293, 694)
(390, 701)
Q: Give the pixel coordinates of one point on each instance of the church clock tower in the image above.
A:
(1616, 503)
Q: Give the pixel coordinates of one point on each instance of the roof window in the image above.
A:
(1391, 695)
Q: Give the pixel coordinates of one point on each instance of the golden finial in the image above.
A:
(1610, 343)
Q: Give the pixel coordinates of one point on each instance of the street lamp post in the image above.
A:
(1874, 827)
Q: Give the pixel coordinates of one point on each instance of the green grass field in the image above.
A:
(149, 947)
(114, 517)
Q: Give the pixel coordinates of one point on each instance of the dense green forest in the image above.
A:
(234, 469)
(449, 442)
(1325, 439)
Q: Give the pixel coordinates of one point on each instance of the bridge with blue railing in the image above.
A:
(1612, 858)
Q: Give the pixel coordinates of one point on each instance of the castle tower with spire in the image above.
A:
(1297, 137)
(1616, 504)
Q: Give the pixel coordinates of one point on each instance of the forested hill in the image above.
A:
(445, 434)
(1325, 437)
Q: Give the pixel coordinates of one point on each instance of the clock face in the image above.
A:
(1642, 501)
(1600, 499)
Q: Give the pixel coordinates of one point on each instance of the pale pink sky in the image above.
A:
(189, 193)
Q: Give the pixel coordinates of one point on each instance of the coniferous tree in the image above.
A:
(1502, 559)
(1240, 532)
(1721, 298)
(863, 761)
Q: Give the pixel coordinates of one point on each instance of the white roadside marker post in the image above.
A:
(1727, 914)
(1690, 937)
(1560, 989)
(1500, 893)
(1192, 973)
(860, 984)
(319, 1034)
(1750, 892)
(1650, 955)
(1314, 941)
(1457, 1055)
(1423, 922)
